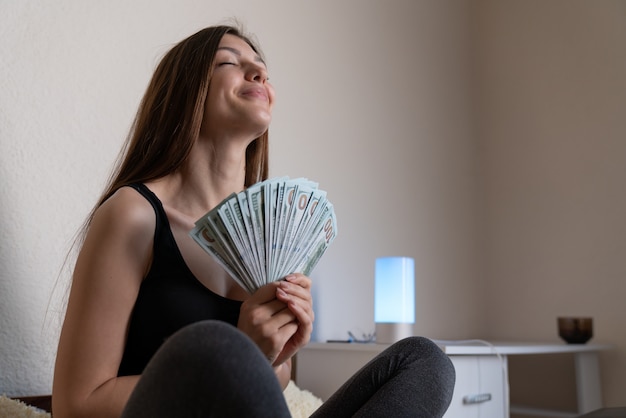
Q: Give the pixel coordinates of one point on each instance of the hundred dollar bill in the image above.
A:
(255, 200)
(209, 239)
(245, 218)
(284, 209)
(324, 232)
(305, 210)
(299, 199)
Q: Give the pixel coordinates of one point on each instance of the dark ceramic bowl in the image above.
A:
(575, 330)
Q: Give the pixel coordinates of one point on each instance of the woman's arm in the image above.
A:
(110, 267)
(283, 373)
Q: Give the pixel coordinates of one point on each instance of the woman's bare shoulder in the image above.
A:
(126, 210)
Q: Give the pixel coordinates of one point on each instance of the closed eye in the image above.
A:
(226, 63)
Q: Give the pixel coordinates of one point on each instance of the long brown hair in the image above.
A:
(170, 115)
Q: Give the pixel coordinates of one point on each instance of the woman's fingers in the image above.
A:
(295, 291)
(267, 320)
(279, 317)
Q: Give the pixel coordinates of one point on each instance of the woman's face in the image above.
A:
(240, 99)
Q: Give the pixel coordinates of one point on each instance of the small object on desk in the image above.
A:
(394, 299)
(367, 338)
(575, 330)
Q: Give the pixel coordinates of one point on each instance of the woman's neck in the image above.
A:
(209, 175)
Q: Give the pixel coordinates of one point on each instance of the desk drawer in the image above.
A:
(480, 387)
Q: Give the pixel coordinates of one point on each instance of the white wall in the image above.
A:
(552, 141)
(372, 103)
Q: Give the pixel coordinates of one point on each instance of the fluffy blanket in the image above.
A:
(301, 404)
(17, 409)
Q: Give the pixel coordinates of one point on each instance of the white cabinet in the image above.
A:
(480, 389)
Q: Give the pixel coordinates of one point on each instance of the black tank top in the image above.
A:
(170, 297)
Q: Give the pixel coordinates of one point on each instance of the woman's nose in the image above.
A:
(257, 74)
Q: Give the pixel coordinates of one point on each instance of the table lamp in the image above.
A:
(394, 298)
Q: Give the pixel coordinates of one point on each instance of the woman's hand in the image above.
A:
(295, 291)
(279, 317)
(267, 321)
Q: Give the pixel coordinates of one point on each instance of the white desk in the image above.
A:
(481, 370)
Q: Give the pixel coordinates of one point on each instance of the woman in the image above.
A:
(154, 326)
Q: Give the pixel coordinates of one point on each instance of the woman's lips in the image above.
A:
(258, 93)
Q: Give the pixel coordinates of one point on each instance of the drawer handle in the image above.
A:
(474, 399)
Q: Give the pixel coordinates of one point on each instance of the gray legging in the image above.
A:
(211, 369)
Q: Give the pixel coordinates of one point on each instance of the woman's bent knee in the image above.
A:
(430, 356)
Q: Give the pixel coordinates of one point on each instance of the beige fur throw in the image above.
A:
(301, 404)
(16, 409)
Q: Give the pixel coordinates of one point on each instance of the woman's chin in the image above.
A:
(262, 125)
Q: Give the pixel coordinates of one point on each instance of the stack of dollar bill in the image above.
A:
(271, 229)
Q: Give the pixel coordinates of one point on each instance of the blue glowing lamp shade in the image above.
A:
(394, 298)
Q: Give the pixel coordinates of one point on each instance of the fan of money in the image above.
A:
(273, 228)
